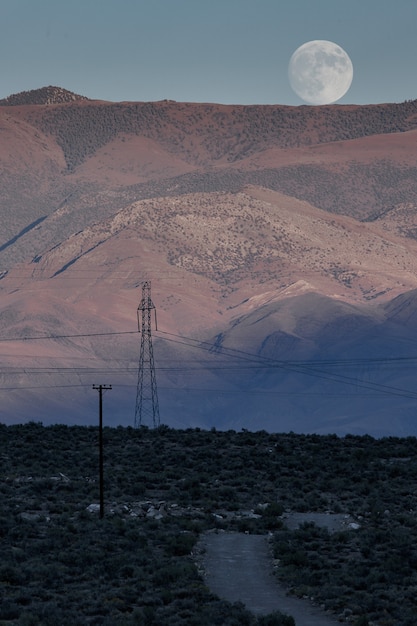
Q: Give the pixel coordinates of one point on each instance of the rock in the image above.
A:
(93, 508)
(30, 517)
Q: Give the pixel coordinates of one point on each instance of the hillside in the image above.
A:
(285, 233)
(82, 160)
(204, 134)
(45, 95)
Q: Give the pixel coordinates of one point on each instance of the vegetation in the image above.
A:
(44, 95)
(230, 133)
(61, 563)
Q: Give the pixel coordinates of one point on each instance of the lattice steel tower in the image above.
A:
(147, 407)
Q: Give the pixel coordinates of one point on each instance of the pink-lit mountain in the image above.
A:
(280, 243)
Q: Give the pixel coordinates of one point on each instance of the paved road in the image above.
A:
(237, 567)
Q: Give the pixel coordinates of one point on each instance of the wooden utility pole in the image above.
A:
(100, 389)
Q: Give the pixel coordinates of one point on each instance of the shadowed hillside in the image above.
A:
(204, 133)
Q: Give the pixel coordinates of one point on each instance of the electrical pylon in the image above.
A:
(147, 407)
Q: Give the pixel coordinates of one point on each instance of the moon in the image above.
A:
(320, 72)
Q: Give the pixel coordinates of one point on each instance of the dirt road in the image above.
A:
(238, 567)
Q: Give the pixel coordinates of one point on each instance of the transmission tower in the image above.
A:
(147, 407)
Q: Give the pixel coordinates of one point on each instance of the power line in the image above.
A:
(203, 390)
(193, 367)
(306, 367)
(31, 387)
(69, 336)
(309, 371)
(212, 347)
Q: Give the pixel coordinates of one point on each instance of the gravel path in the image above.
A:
(237, 567)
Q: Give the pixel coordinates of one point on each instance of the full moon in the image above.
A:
(320, 72)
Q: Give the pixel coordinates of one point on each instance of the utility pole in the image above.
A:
(147, 407)
(100, 389)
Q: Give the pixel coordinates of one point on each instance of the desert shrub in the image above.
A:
(126, 569)
(276, 619)
(181, 545)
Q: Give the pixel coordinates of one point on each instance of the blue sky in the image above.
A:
(226, 51)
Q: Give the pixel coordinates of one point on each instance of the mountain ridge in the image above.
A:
(228, 132)
(103, 156)
(274, 233)
(43, 95)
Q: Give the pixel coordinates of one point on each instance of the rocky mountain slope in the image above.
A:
(275, 238)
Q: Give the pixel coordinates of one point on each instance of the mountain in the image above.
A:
(280, 242)
(45, 95)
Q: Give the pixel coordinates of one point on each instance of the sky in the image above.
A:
(225, 51)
